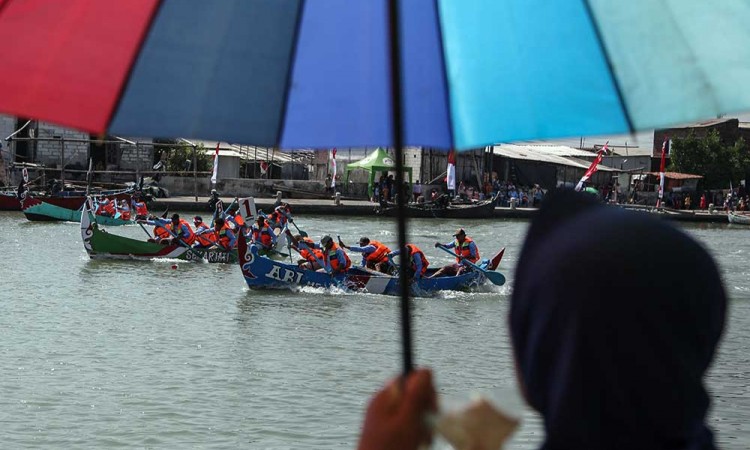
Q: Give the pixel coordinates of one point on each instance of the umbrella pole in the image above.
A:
(395, 53)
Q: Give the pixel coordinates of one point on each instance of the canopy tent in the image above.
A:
(377, 161)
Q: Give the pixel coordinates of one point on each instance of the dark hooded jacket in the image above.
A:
(615, 319)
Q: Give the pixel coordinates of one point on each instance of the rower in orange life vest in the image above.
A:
(417, 261)
(106, 208)
(181, 230)
(463, 246)
(204, 235)
(335, 258)
(161, 232)
(280, 216)
(374, 254)
(124, 210)
(262, 235)
(110, 208)
(225, 238)
(235, 220)
(306, 248)
(141, 210)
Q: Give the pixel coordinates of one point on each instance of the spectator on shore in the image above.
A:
(417, 191)
(580, 359)
(327, 183)
(702, 203)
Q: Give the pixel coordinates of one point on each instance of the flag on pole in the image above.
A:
(263, 168)
(593, 167)
(451, 170)
(662, 168)
(216, 164)
(333, 165)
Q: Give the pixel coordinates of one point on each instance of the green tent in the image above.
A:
(377, 161)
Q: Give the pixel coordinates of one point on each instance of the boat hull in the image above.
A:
(261, 272)
(47, 209)
(100, 244)
(739, 219)
(9, 202)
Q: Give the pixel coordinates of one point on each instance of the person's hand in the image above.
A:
(397, 416)
(437, 244)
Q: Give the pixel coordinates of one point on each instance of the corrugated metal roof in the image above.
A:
(676, 175)
(548, 154)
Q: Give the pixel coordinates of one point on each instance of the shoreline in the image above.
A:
(365, 208)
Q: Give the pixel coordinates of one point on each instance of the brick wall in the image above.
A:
(48, 152)
(137, 159)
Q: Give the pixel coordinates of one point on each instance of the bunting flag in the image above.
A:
(216, 164)
(662, 168)
(333, 165)
(592, 168)
(451, 170)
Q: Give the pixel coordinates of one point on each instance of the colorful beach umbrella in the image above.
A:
(340, 73)
(315, 73)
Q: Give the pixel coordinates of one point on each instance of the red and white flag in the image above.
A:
(662, 169)
(333, 168)
(216, 164)
(263, 168)
(451, 170)
(592, 168)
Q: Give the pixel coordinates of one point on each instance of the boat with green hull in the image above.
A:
(38, 209)
(100, 244)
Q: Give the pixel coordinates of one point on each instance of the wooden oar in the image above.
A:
(495, 277)
(184, 244)
(145, 230)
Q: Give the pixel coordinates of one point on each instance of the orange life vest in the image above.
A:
(190, 238)
(222, 238)
(161, 232)
(239, 221)
(109, 208)
(206, 238)
(125, 215)
(380, 254)
(415, 252)
(332, 258)
(263, 235)
(310, 250)
(141, 209)
(462, 249)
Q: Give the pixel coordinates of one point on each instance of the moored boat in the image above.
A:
(737, 218)
(483, 209)
(100, 244)
(261, 272)
(9, 201)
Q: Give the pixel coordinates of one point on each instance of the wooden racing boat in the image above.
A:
(737, 218)
(261, 272)
(64, 209)
(100, 244)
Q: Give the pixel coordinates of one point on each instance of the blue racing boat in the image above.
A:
(261, 272)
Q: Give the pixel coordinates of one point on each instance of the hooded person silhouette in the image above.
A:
(609, 349)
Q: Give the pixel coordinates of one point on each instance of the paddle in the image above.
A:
(495, 277)
(145, 230)
(184, 244)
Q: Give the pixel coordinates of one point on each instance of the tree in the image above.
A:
(717, 163)
(178, 157)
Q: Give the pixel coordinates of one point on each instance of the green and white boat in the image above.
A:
(100, 244)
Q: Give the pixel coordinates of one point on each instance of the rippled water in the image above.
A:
(118, 353)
